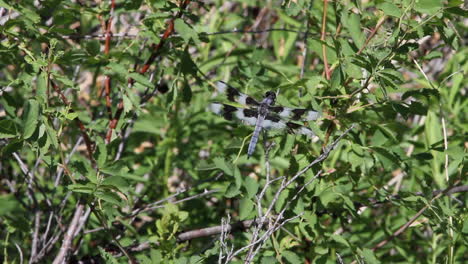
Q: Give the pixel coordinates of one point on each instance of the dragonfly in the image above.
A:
(262, 114)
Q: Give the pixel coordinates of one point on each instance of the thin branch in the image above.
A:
(158, 204)
(372, 34)
(29, 179)
(322, 39)
(155, 53)
(224, 32)
(68, 237)
(246, 224)
(416, 216)
(215, 230)
(253, 249)
(84, 134)
(20, 253)
(67, 160)
(35, 235)
(306, 34)
(107, 79)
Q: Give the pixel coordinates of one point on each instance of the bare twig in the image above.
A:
(159, 203)
(256, 242)
(407, 224)
(155, 53)
(62, 168)
(223, 239)
(69, 235)
(35, 236)
(209, 231)
(372, 34)
(20, 253)
(107, 79)
(84, 134)
(322, 38)
(306, 34)
(29, 178)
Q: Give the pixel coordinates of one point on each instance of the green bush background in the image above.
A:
(88, 133)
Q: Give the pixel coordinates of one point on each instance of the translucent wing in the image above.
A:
(274, 122)
(229, 112)
(295, 113)
(234, 95)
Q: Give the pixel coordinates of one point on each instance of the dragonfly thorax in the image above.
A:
(269, 99)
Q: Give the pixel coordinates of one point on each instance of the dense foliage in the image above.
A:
(108, 152)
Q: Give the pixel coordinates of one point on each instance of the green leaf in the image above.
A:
(336, 78)
(378, 139)
(291, 257)
(186, 92)
(82, 188)
(390, 9)
(232, 190)
(7, 129)
(100, 154)
(109, 197)
(30, 118)
(386, 157)
(9, 204)
(237, 177)
(429, 7)
(93, 47)
(65, 80)
(119, 169)
(41, 87)
(108, 257)
(13, 145)
(141, 79)
(353, 24)
(221, 164)
(116, 181)
(252, 187)
(369, 256)
(246, 207)
(281, 200)
(186, 31)
(51, 135)
(340, 239)
(328, 195)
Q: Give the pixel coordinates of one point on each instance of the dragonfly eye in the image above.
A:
(270, 94)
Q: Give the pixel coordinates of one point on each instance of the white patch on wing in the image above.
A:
(268, 124)
(221, 87)
(242, 99)
(216, 108)
(312, 115)
(286, 112)
(305, 131)
(248, 120)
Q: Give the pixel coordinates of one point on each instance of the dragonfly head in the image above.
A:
(271, 95)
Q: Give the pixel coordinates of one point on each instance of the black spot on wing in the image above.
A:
(273, 118)
(250, 113)
(249, 100)
(232, 94)
(298, 113)
(228, 110)
(293, 126)
(292, 113)
(276, 109)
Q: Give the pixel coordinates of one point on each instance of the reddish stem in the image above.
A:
(322, 38)
(156, 52)
(107, 85)
(84, 134)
